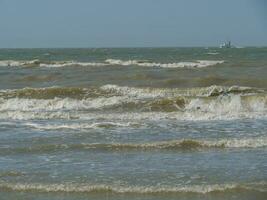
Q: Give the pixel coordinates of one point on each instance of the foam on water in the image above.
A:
(72, 63)
(105, 122)
(33, 63)
(197, 109)
(78, 126)
(87, 188)
(196, 64)
(17, 63)
(213, 102)
(58, 104)
(213, 53)
(25, 63)
(115, 90)
(213, 90)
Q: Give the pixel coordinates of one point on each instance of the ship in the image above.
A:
(226, 45)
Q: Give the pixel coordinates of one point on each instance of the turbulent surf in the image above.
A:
(152, 123)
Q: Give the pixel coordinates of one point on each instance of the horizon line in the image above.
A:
(130, 47)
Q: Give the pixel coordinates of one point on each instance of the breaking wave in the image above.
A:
(17, 63)
(114, 90)
(213, 53)
(102, 188)
(196, 64)
(38, 63)
(79, 126)
(173, 145)
(214, 102)
(213, 90)
(34, 63)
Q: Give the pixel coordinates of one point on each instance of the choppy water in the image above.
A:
(187, 123)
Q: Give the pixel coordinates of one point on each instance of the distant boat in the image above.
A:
(226, 45)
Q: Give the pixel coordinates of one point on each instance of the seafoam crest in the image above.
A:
(102, 188)
(215, 102)
(196, 64)
(108, 62)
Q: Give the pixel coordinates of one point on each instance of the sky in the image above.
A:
(131, 23)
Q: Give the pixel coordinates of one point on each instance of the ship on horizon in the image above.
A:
(227, 45)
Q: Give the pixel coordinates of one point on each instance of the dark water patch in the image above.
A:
(210, 80)
(7, 174)
(177, 82)
(38, 78)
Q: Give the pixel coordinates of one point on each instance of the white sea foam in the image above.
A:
(17, 63)
(231, 106)
(58, 104)
(137, 103)
(190, 143)
(87, 188)
(196, 64)
(212, 53)
(131, 92)
(78, 126)
(196, 109)
(240, 143)
(72, 63)
(213, 90)
(25, 63)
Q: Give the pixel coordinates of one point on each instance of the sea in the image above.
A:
(133, 123)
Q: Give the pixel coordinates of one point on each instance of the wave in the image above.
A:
(227, 109)
(72, 63)
(114, 90)
(54, 64)
(220, 105)
(102, 188)
(59, 104)
(213, 90)
(79, 126)
(196, 64)
(215, 102)
(137, 117)
(17, 63)
(173, 145)
(55, 92)
(213, 53)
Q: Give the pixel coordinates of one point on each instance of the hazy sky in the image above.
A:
(131, 23)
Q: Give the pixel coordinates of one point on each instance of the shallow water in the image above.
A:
(187, 123)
